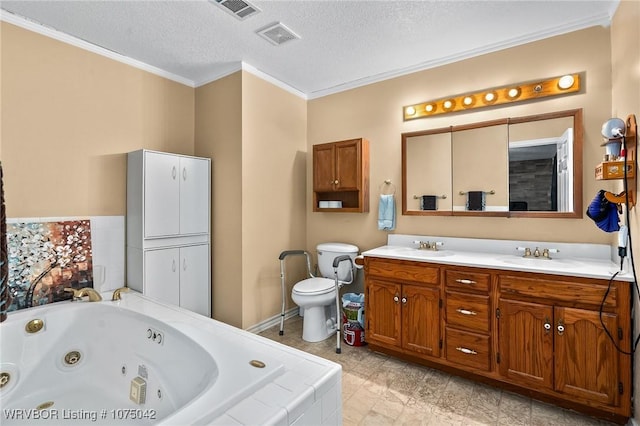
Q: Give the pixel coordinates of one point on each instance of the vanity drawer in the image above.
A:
(582, 292)
(470, 311)
(467, 280)
(400, 270)
(469, 349)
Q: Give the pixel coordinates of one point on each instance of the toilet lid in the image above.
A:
(312, 286)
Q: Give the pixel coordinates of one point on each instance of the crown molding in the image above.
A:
(284, 86)
(36, 27)
(603, 19)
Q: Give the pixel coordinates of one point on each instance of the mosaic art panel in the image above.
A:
(47, 257)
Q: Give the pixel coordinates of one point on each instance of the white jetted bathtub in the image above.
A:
(136, 361)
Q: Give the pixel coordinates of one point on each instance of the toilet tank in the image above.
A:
(329, 251)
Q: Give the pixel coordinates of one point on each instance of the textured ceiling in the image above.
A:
(343, 44)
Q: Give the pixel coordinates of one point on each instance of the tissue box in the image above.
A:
(330, 204)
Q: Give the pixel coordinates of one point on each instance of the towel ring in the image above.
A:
(387, 185)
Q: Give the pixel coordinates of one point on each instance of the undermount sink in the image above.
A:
(537, 262)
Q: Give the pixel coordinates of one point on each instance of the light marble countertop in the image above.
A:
(594, 262)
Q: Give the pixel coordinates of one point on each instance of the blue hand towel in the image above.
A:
(387, 213)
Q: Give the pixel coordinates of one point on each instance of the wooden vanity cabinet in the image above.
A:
(403, 306)
(568, 351)
(468, 317)
(341, 173)
(538, 334)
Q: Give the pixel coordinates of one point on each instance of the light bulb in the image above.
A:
(448, 104)
(513, 93)
(468, 100)
(489, 97)
(565, 82)
(429, 108)
(410, 110)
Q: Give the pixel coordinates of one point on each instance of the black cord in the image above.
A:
(633, 268)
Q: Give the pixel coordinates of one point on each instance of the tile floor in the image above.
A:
(381, 390)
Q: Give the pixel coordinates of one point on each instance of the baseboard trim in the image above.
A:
(270, 322)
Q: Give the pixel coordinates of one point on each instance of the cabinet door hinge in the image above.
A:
(620, 388)
(498, 313)
(440, 343)
(440, 303)
(498, 358)
(619, 333)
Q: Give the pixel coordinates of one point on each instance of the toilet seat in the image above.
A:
(314, 286)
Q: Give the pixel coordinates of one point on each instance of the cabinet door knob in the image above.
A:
(465, 281)
(335, 181)
(174, 172)
(560, 328)
(404, 300)
(395, 299)
(465, 312)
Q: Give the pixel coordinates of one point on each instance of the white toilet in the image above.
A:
(317, 296)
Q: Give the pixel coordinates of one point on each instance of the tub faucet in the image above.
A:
(117, 293)
(93, 295)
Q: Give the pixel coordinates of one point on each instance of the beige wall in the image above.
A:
(68, 118)
(625, 61)
(256, 134)
(218, 135)
(274, 142)
(374, 112)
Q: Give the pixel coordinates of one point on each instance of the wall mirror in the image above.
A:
(519, 167)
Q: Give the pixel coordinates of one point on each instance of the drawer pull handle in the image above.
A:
(465, 312)
(464, 281)
(467, 351)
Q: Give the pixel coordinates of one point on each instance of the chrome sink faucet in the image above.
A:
(93, 295)
(545, 253)
(426, 245)
(423, 245)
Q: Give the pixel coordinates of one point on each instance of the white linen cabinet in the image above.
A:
(168, 228)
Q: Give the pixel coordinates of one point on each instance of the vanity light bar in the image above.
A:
(518, 92)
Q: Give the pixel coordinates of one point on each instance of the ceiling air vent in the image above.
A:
(238, 8)
(277, 34)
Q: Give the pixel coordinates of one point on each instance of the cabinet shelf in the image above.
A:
(613, 170)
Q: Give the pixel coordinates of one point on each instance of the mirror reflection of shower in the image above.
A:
(541, 174)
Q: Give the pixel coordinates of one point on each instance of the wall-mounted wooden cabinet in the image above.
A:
(539, 334)
(341, 176)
